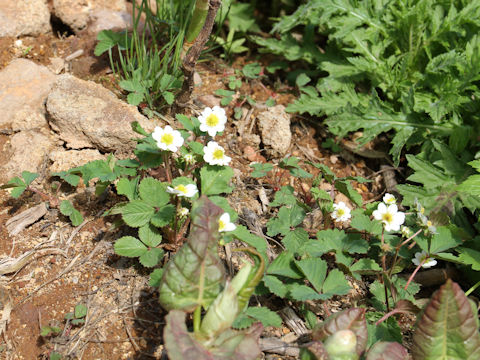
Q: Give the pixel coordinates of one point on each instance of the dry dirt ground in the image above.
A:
(71, 266)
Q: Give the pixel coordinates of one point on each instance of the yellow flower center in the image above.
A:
(167, 139)
(221, 225)
(218, 154)
(422, 210)
(340, 212)
(429, 223)
(212, 120)
(387, 217)
(181, 188)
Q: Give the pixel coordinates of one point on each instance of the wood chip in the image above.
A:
(19, 222)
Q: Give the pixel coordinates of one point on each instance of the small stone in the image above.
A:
(197, 80)
(274, 125)
(106, 19)
(24, 17)
(208, 100)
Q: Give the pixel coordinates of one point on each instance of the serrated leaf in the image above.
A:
(469, 257)
(150, 235)
(300, 292)
(266, 316)
(243, 321)
(80, 311)
(153, 192)
(284, 196)
(163, 216)
(29, 177)
(352, 319)
(129, 246)
(48, 330)
(366, 267)
(275, 285)
(127, 187)
(315, 270)
(471, 185)
(335, 284)
(287, 217)
(284, 265)
(17, 191)
(155, 278)
(447, 328)
(260, 170)
(67, 209)
(295, 239)
(346, 188)
(151, 257)
(258, 243)
(137, 213)
(193, 277)
(215, 180)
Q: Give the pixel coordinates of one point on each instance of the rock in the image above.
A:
(207, 100)
(86, 115)
(78, 13)
(105, 19)
(64, 160)
(25, 17)
(151, 3)
(57, 65)
(274, 125)
(24, 86)
(26, 150)
(197, 79)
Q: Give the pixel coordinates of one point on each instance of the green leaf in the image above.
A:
(108, 39)
(153, 192)
(129, 246)
(67, 209)
(315, 270)
(155, 278)
(284, 196)
(49, 330)
(258, 243)
(216, 180)
(284, 265)
(265, 315)
(365, 267)
(447, 328)
(223, 203)
(193, 277)
(150, 235)
(469, 256)
(72, 179)
(128, 188)
(252, 70)
(135, 98)
(425, 173)
(28, 177)
(17, 191)
(137, 213)
(335, 284)
(346, 188)
(260, 169)
(55, 356)
(300, 292)
(163, 216)
(275, 285)
(295, 239)
(151, 257)
(287, 217)
(80, 311)
(169, 97)
(445, 238)
(471, 185)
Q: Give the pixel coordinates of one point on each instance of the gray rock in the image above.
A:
(78, 13)
(24, 87)
(86, 115)
(24, 17)
(63, 160)
(274, 125)
(26, 150)
(105, 19)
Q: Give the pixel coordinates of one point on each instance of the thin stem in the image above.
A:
(166, 162)
(197, 318)
(472, 289)
(414, 273)
(384, 267)
(397, 250)
(175, 221)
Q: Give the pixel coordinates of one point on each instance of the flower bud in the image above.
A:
(343, 342)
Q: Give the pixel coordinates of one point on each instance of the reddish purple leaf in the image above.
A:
(387, 351)
(182, 345)
(351, 319)
(447, 329)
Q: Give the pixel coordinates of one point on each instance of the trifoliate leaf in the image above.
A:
(80, 311)
(67, 209)
(284, 196)
(265, 315)
(260, 170)
(163, 216)
(287, 217)
(153, 192)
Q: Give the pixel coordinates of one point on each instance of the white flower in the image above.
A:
(18, 43)
(214, 154)
(189, 159)
(390, 216)
(428, 262)
(212, 120)
(183, 212)
(224, 223)
(188, 190)
(389, 199)
(406, 232)
(167, 138)
(341, 212)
